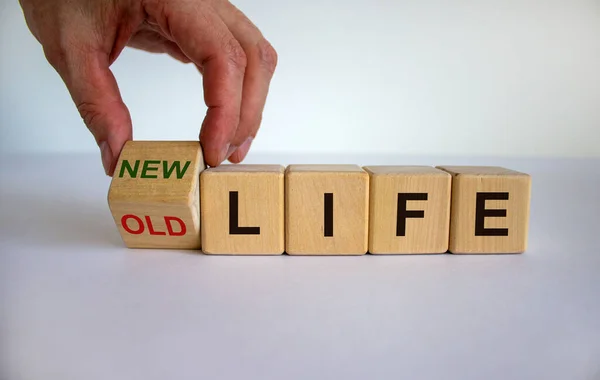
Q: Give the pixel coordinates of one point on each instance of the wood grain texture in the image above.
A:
(259, 224)
(471, 230)
(409, 209)
(306, 212)
(154, 194)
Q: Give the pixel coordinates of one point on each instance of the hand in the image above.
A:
(82, 38)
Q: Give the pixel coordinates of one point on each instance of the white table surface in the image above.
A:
(76, 304)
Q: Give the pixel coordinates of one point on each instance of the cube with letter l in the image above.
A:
(242, 209)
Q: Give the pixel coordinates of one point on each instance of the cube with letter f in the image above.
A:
(154, 194)
(409, 209)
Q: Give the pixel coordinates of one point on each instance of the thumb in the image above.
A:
(95, 92)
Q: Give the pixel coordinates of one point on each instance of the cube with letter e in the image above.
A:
(489, 209)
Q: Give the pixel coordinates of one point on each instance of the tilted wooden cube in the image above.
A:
(490, 209)
(326, 210)
(242, 209)
(409, 210)
(154, 194)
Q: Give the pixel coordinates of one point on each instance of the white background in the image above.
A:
(75, 304)
(501, 78)
(369, 82)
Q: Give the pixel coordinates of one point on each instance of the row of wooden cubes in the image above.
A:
(163, 196)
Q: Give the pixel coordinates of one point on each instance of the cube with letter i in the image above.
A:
(409, 209)
(154, 194)
(490, 209)
(326, 210)
(242, 209)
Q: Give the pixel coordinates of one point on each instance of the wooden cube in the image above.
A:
(326, 210)
(154, 194)
(409, 209)
(242, 209)
(490, 209)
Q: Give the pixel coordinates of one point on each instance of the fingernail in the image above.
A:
(244, 148)
(107, 156)
(232, 148)
(225, 152)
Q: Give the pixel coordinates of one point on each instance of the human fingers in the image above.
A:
(261, 63)
(94, 90)
(205, 39)
(151, 41)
